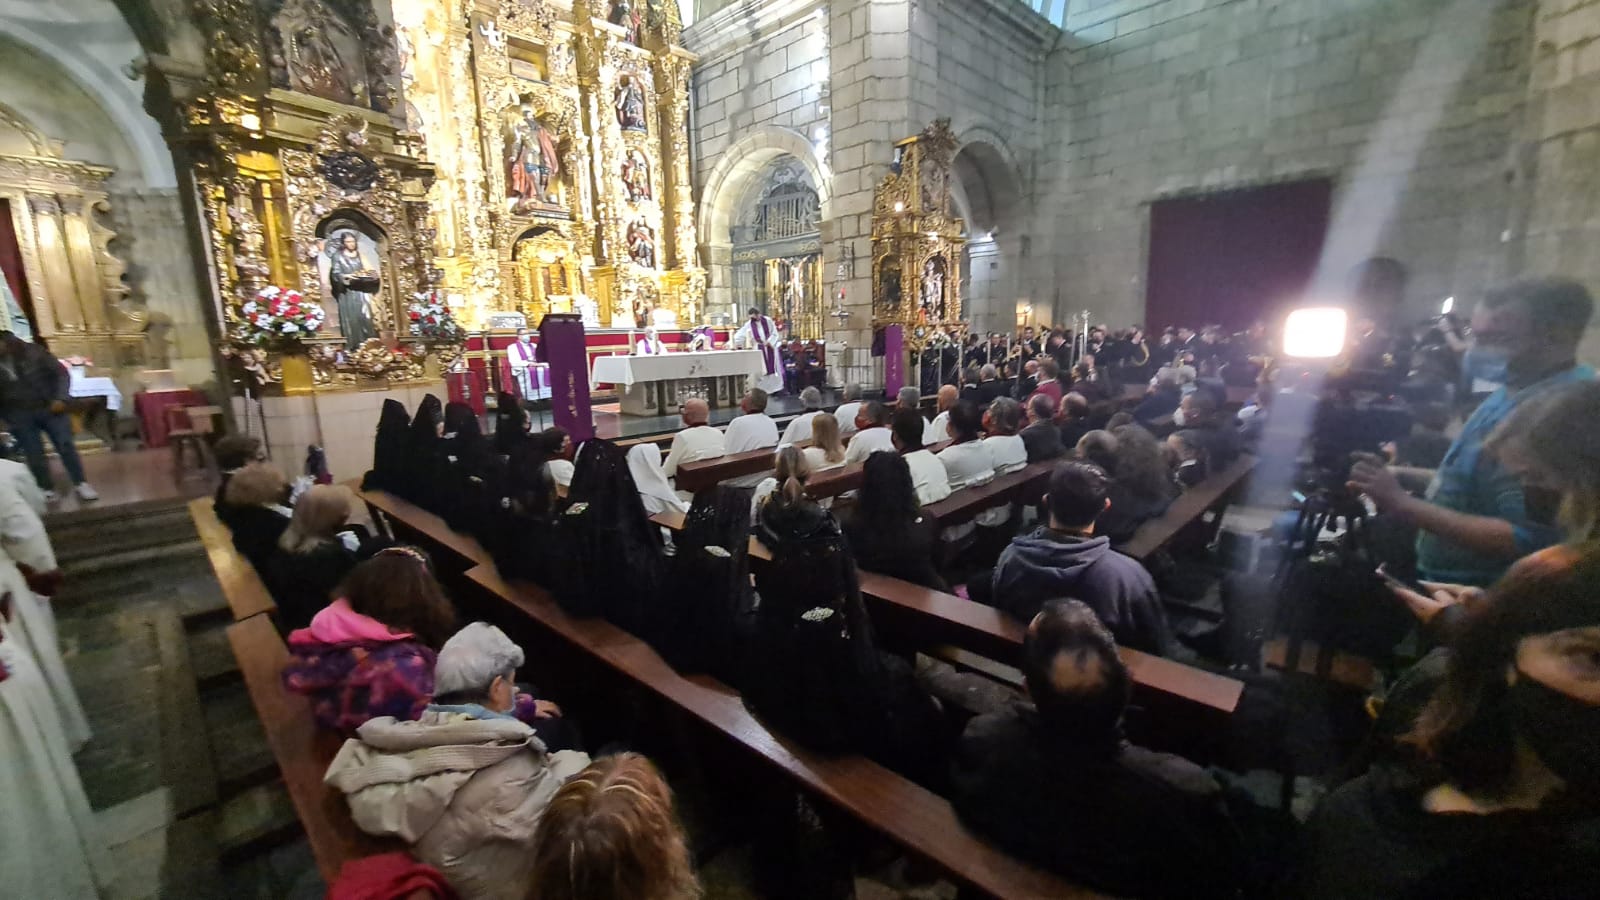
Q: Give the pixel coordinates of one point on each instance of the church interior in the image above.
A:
(1125, 448)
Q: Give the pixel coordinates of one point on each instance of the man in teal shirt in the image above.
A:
(1475, 519)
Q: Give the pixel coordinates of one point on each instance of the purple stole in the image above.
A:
(524, 354)
(647, 348)
(761, 330)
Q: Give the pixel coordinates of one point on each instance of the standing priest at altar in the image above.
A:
(760, 333)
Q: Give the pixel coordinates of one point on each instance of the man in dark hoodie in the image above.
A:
(1055, 781)
(1067, 559)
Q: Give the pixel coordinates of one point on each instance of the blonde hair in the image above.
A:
(257, 484)
(317, 517)
(610, 834)
(825, 437)
(791, 471)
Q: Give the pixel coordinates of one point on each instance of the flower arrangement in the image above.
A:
(278, 319)
(432, 320)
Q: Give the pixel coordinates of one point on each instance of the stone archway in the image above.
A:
(732, 178)
(987, 193)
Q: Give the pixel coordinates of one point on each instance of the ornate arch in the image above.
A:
(743, 162)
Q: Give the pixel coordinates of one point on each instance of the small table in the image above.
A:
(652, 384)
(150, 406)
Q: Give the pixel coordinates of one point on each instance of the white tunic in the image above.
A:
(868, 442)
(799, 428)
(49, 840)
(751, 431)
(928, 476)
(1007, 453)
(967, 465)
(561, 471)
(691, 444)
(937, 430)
(846, 416)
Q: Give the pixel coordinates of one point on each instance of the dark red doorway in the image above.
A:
(1233, 257)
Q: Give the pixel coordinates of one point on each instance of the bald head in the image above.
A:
(696, 411)
(947, 396)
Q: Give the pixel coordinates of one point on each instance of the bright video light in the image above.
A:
(1315, 332)
(1448, 305)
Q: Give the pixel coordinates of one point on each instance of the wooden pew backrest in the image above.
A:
(247, 595)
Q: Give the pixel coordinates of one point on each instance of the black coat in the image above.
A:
(1043, 440)
(906, 553)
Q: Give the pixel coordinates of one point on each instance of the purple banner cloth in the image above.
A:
(894, 359)
(561, 344)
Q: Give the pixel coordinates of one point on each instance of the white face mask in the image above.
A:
(1177, 417)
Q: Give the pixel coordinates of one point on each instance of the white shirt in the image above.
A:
(693, 443)
(799, 428)
(751, 431)
(817, 460)
(967, 464)
(846, 414)
(937, 430)
(868, 442)
(1007, 453)
(928, 477)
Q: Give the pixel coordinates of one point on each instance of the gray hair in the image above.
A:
(989, 371)
(909, 397)
(812, 398)
(473, 658)
(852, 390)
(1169, 376)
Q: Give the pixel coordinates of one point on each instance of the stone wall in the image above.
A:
(1410, 106)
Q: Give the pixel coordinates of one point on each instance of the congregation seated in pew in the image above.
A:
(871, 432)
(1066, 558)
(928, 476)
(315, 554)
(1055, 781)
(463, 782)
(799, 429)
(827, 450)
(849, 408)
(696, 440)
(886, 528)
(753, 428)
(1041, 438)
(1141, 486)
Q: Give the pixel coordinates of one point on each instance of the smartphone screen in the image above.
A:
(1409, 584)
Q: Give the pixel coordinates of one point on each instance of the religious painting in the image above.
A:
(626, 14)
(629, 104)
(348, 263)
(931, 305)
(642, 244)
(321, 54)
(533, 167)
(636, 176)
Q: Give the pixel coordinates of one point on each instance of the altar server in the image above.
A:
(650, 345)
(759, 333)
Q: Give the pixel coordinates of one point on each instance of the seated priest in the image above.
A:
(696, 441)
(1054, 781)
(466, 783)
(650, 344)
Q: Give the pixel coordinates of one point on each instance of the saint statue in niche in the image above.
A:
(642, 245)
(931, 309)
(629, 104)
(636, 176)
(624, 14)
(531, 163)
(349, 265)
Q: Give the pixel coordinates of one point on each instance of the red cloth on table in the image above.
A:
(389, 876)
(151, 408)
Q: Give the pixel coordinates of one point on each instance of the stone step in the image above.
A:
(254, 821)
(238, 745)
(182, 578)
(209, 653)
(100, 543)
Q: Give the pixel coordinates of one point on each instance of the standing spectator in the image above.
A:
(610, 834)
(1056, 782)
(800, 426)
(753, 430)
(872, 433)
(1476, 519)
(696, 441)
(33, 402)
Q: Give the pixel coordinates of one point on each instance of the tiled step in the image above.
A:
(238, 745)
(210, 655)
(255, 820)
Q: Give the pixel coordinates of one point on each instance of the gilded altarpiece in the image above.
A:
(573, 190)
(309, 179)
(916, 241)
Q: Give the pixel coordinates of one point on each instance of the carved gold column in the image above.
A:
(85, 272)
(60, 294)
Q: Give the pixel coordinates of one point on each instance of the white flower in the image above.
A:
(250, 307)
(819, 614)
(268, 292)
(290, 328)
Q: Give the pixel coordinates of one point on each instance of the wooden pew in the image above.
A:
(844, 479)
(405, 520)
(1025, 484)
(701, 474)
(247, 596)
(302, 750)
(1211, 495)
(912, 817)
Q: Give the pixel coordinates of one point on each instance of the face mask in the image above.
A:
(1178, 417)
(1563, 730)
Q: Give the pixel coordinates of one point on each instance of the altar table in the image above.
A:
(655, 385)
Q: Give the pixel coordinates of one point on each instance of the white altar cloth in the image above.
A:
(629, 370)
(82, 385)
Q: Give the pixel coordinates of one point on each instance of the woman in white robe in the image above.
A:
(49, 841)
(33, 624)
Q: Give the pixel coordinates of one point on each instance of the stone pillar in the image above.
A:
(1561, 154)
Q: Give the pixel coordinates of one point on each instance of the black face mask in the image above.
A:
(1563, 730)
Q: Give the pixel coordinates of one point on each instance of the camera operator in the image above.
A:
(1476, 517)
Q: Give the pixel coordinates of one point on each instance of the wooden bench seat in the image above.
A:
(1025, 484)
(405, 520)
(914, 818)
(247, 595)
(1211, 495)
(696, 476)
